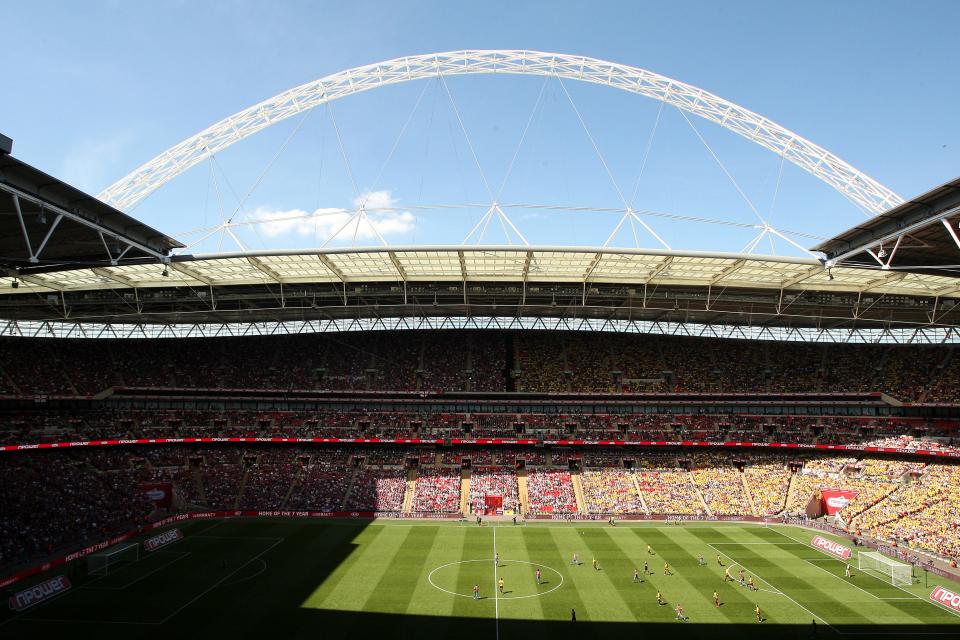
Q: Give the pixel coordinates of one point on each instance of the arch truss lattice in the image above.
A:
(865, 192)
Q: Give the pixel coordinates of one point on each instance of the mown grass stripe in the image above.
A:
(679, 546)
(399, 574)
(477, 545)
(864, 586)
(543, 544)
(426, 599)
(795, 580)
(513, 553)
(618, 555)
(333, 555)
(592, 587)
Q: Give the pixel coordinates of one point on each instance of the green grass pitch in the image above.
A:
(347, 579)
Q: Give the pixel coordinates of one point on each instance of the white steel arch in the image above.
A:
(852, 183)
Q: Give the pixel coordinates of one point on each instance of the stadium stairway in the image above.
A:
(636, 485)
(411, 488)
(522, 492)
(346, 494)
(198, 483)
(296, 482)
(578, 492)
(791, 489)
(696, 491)
(747, 492)
(465, 492)
(243, 487)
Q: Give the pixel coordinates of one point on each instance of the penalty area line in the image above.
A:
(820, 618)
(221, 580)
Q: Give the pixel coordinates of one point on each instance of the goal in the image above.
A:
(110, 560)
(898, 573)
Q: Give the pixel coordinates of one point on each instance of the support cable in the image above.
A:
(466, 135)
(523, 136)
(396, 143)
(606, 167)
(723, 167)
(646, 154)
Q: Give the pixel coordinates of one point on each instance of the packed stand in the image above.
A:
(610, 490)
(550, 491)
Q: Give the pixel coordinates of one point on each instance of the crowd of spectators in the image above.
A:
(39, 426)
(670, 490)
(768, 479)
(610, 490)
(718, 480)
(550, 491)
(924, 513)
(538, 361)
(56, 498)
(47, 505)
(493, 482)
(437, 490)
(377, 490)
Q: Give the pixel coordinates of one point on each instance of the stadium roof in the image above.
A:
(475, 281)
(45, 222)
(919, 235)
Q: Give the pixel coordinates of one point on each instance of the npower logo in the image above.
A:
(838, 502)
(946, 598)
(38, 593)
(162, 539)
(830, 546)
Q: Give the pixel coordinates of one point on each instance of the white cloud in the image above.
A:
(382, 214)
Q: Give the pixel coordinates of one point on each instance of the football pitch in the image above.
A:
(339, 579)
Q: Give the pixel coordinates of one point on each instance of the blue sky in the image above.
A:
(95, 89)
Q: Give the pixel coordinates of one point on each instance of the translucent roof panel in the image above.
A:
(229, 271)
(430, 265)
(619, 267)
(559, 266)
(498, 264)
(494, 265)
(151, 275)
(299, 268)
(372, 266)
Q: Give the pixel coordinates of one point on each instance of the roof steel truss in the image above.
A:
(852, 183)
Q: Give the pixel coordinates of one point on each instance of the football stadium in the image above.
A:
(477, 438)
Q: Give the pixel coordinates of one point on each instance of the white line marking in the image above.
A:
(731, 566)
(813, 563)
(834, 629)
(828, 556)
(221, 580)
(262, 569)
(464, 595)
(181, 555)
(496, 590)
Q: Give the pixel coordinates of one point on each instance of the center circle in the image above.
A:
(511, 578)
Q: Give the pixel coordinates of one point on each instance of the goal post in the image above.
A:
(109, 560)
(898, 573)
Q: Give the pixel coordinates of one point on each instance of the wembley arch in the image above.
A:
(859, 188)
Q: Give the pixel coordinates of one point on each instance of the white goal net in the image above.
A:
(898, 573)
(110, 560)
